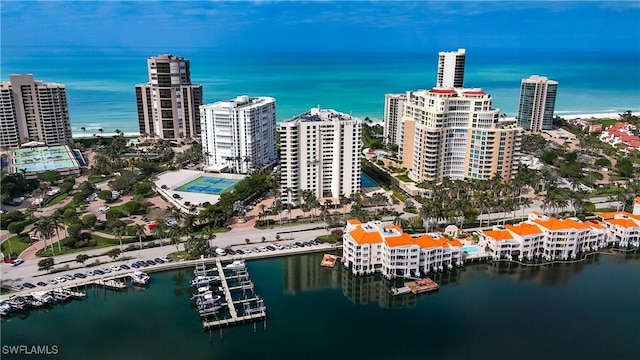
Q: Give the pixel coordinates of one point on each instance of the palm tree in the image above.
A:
(174, 235)
(118, 232)
(140, 232)
(84, 131)
(45, 228)
(525, 202)
(100, 131)
(158, 231)
(343, 201)
(118, 132)
(57, 223)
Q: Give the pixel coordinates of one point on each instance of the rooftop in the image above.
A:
(317, 114)
(524, 229)
(243, 101)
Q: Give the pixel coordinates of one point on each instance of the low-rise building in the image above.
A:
(375, 247)
(623, 228)
(621, 135)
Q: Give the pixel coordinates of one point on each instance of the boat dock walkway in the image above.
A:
(227, 292)
(111, 284)
(252, 307)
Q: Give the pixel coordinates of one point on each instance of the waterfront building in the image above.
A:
(546, 237)
(455, 133)
(239, 134)
(33, 111)
(374, 247)
(320, 152)
(451, 68)
(623, 228)
(393, 107)
(168, 103)
(537, 102)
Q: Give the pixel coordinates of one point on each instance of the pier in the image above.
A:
(248, 309)
(111, 284)
(422, 285)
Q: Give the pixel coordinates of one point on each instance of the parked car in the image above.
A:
(52, 281)
(60, 279)
(230, 251)
(135, 265)
(124, 267)
(151, 262)
(239, 252)
(165, 259)
(80, 276)
(28, 285)
(158, 260)
(98, 272)
(271, 248)
(221, 252)
(41, 283)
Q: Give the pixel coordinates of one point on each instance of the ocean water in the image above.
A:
(583, 311)
(100, 81)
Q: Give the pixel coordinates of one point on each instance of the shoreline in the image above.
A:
(568, 115)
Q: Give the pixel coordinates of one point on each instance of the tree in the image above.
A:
(174, 236)
(625, 168)
(105, 195)
(89, 220)
(46, 264)
(140, 233)
(118, 232)
(50, 176)
(196, 246)
(70, 216)
(82, 258)
(114, 253)
(16, 227)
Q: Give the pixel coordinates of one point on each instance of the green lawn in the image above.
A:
(58, 199)
(17, 243)
(403, 177)
(604, 122)
(101, 243)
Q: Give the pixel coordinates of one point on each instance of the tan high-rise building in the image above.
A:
(33, 111)
(168, 105)
(455, 133)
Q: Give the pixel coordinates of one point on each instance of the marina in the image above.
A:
(227, 298)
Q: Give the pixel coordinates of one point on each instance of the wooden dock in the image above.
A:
(227, 292)
(422, 285)
(328, 260)
(253, 308)
(111, 284)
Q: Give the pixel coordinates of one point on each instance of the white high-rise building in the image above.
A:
(537, 102)
(33, 111)
(168, 103)
(393, 106)
(451, 68)
(239, 134)
(320, 152)
(455, 133)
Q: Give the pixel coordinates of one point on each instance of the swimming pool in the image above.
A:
(208, 185)
(470, 249)
(366, 181)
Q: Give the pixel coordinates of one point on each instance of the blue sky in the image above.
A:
(325, 26)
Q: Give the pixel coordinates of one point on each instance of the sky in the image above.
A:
(324, 26)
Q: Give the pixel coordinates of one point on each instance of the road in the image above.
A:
(28, 271)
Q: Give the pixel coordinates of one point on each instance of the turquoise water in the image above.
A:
(366, 181)
(100, 81)
(208, 185)
(480, 312)
(470, 249)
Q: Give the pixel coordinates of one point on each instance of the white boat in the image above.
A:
(43, 297)
(204, 289)
(236, 265)
(139, 278)
(399, 291)
(204, 280)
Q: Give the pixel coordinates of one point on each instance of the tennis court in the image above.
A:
(208, 185)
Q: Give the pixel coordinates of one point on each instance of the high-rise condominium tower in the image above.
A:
(393, 105)
(537, 102)
(33, 111)
(320, 152)
(239, 134)
(454, 133)
(451, 69)
(168, 103)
